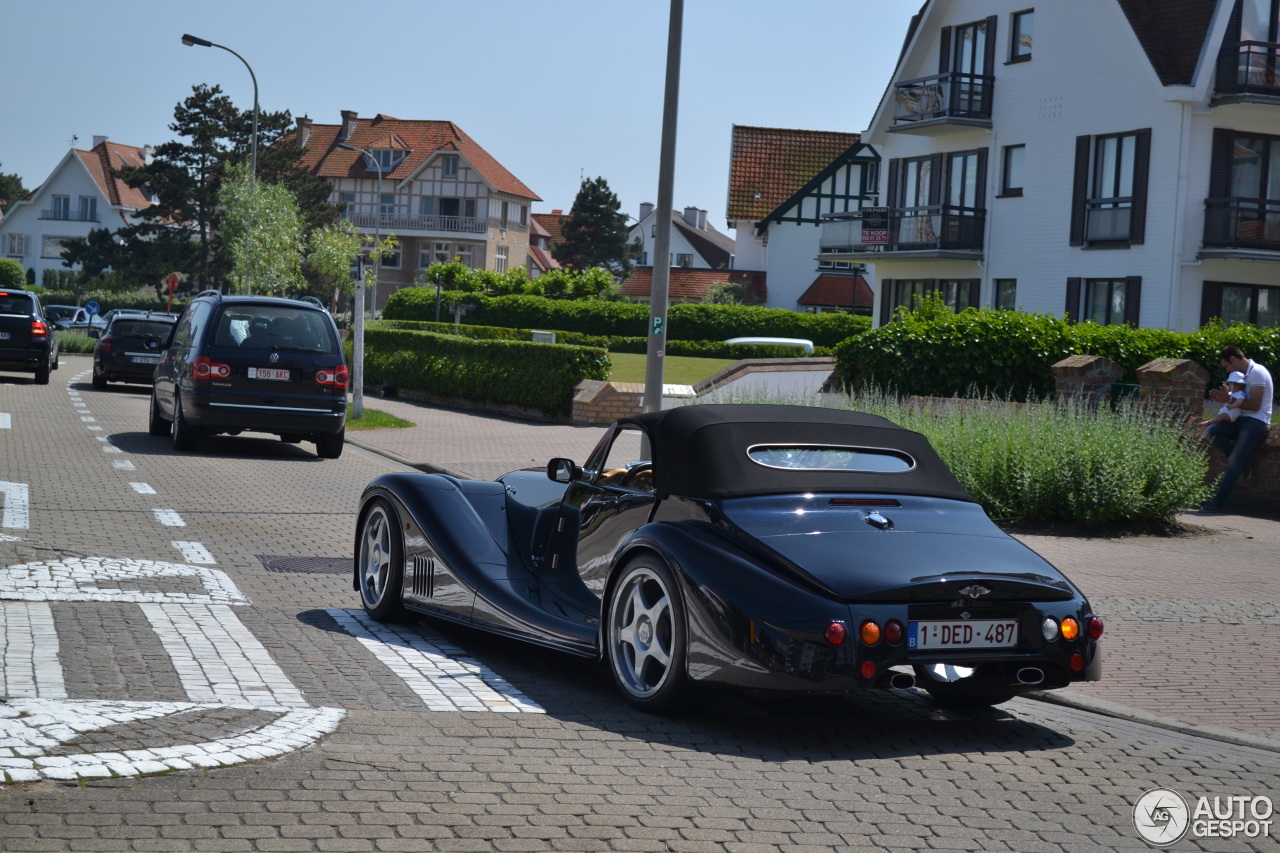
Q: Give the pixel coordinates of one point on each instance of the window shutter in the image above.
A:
(944, 51)
(980, 198)
(886, 300)
(1080, 190)
(1132, 299)
(989, 61)
(1210, 301)
(891, 191)
(975, 292)
(1073, 300)
(1220, 164)
(1141, 178)
(936, 180)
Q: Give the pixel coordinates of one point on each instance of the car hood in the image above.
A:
(923, 549)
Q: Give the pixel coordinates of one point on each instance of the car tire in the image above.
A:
(972, 692)
(184, 435)
(42, 374)
(380, 562)
(330, 446)
(646, 637)
(156, 424)
(99, 382)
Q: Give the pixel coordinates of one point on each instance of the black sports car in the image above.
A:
(783, 548)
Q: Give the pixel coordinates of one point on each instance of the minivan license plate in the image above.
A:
(4, 336)
(963, 634)
(278, 373)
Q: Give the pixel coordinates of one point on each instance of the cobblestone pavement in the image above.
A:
(158, 608)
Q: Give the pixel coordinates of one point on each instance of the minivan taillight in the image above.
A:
(205, 368)
(337, 377)
(105, 345)
(39, 331)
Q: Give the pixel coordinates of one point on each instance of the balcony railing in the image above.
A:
(1249, 68)
(944, 96)
(69, 215)
(411, 222)
(1107, 219)
(1242, 223)
(911, 229)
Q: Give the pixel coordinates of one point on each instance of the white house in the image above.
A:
(783, 184)
(1113, 160)
(79, 196)
(695, 243)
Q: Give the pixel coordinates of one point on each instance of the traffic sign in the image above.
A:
(92, 307)
(172, 281)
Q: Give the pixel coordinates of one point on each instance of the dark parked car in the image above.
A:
(252, 364)
(28, 342)
(783, 548)
(130, 348)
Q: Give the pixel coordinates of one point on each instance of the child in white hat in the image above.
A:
(1231, 409)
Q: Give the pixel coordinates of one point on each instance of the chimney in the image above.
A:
(691, 216)
(98, 140)
(148, 155)
(348, 125)
(304, 131)
(702, 220)
(646, 210)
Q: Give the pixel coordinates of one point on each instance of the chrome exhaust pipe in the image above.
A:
(1031, 675)
(902, 681)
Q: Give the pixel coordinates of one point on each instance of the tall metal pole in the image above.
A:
(358, 309)
(653, 368)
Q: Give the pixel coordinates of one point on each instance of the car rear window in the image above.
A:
(15, 303)
(273, 327)
(141, 328)
(812, 457)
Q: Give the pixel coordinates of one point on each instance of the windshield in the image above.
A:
(830, 458)
(268, 327)
(141, 328)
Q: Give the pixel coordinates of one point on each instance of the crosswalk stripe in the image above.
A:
(16, 502)
(29, 666)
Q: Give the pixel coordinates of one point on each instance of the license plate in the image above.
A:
(963, 634)
(4, 336)
(145, 359)
(276, 373)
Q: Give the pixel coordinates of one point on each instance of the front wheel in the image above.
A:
(646, 638)
(330, 446)
(380, 562)
(156, 424)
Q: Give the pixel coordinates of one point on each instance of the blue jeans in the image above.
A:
(1236, 441)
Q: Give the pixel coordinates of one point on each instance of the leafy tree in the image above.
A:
(11, 274)
(731, 293)
(330, 251)
(262, 233)
(595, 235)
(11, 190)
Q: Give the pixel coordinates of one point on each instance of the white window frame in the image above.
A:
(464, 253)
(449, 166)
(500, 259)
(53, 240)
(16, 245)
(61, 207)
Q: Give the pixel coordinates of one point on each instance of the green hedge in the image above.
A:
(108, 301)
(1011, 353)
(685, 321)
(517, 373)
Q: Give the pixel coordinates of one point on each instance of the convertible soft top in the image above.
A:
(701, 451)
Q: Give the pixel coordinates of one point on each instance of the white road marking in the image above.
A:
(107, 579)
(111, 448)
(5, 421)
(442, 674)
(194, 552)
(29, 666)
(143, 488)
(88, 420)
(94, 428)
(124, 465)
(16, 505)
(169, 517)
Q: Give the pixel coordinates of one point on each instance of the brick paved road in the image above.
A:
(565, 766)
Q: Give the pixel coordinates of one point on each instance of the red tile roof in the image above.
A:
(838, 291)
(552, 222)
(691, 285)
(104, 157)
(769, 165)
(423, 139)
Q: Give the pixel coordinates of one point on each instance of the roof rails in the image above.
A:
(306, 297)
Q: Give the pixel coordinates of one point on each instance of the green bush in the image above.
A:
(518, 373)
(12, 275)
(69, 341)
(685, 321)
(107, 301)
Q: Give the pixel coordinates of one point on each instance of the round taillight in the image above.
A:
(1070, 629)
(1049, 629)
(1095, 627)
(893, 632)
(834, 634)
(200, 369)
(868, 669)
(1076, 662)
(869, 633)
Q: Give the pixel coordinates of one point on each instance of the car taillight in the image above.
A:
(869, 633)
(39, 331)
(205, 368)
(105, 344)
(1094, 627)
(337, 377)
(1070, 628)
(893, 632)
(834, 634)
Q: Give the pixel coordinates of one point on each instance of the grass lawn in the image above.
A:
(375, 419)
(677, 369)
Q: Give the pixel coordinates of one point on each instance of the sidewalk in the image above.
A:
(1192, 622)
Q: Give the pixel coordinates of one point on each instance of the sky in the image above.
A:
(557, 91)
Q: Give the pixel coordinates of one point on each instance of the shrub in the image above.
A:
(12, 275)
(69, 341)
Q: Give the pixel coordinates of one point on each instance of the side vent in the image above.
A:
(424, 576)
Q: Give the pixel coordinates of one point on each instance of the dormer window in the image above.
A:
(450, 166)
(384, 159)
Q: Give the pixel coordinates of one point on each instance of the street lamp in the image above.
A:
(190, 40)
(357, 315)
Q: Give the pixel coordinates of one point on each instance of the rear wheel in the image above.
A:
(99, 381)
(380, 562)
(646, 639)
(156, 424)
(184, 435)
(330, 446)
(42, 373)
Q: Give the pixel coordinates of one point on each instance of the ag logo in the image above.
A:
(1161, 817)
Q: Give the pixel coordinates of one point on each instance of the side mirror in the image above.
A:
(95, 333)
(563, 470)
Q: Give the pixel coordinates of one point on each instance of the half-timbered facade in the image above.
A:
(783, 185)
(1109, 160)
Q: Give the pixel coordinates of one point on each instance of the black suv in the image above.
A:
(130, 348)
(27, 338)
(252, 363)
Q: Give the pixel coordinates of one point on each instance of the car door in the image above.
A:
(175, 356)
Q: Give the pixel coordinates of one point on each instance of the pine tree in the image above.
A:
(595, 234)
